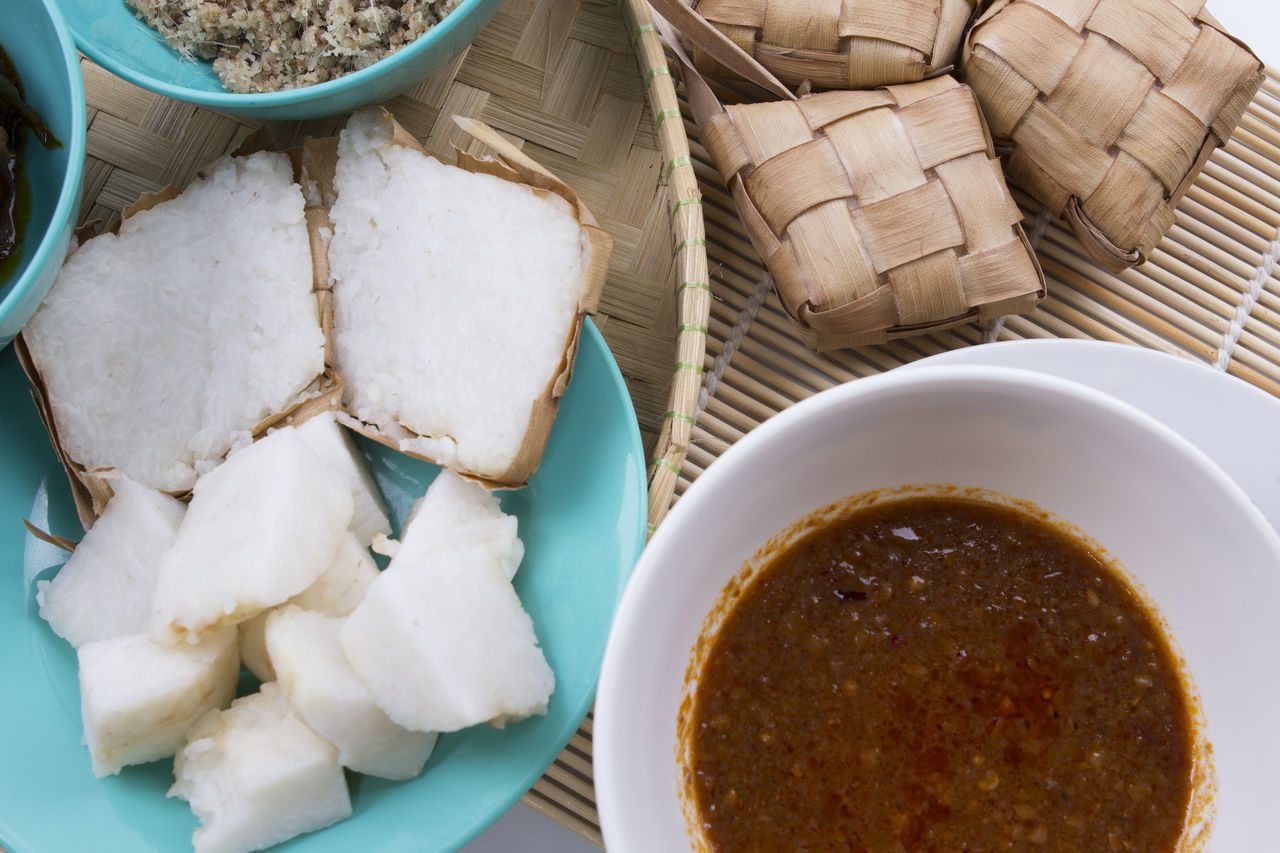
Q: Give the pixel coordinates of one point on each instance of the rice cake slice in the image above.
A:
(256, 775)
(441, 638)
(260, 528)
(326, 693)
(458, 296)
(336, 592)
(138, 698)
(105, 589)
(334, 444)
(162, 344)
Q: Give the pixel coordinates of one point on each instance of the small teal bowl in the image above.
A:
(108, 33)
(38, 41)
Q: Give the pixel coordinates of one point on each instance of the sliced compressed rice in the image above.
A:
(335, 593)
(105, 590)
(326, 693)
(334, 444)
(455, 297)
(138, 699)
(261, 528)
(159, 346)
(441, 638)
(256, 775)
(458, 512)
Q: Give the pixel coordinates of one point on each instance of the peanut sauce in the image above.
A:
(940, 674)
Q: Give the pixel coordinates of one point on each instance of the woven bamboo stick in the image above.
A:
(1215, 195)
(1217, 297)
(1242, 184)
(573, 783)
(1257, 133)
(1166, 272)
(1252, 166)
(1108, 314)
(1223, 196)
(1248, 361)
(1121, 296)
(1231, 235)
(701, 455)
(1265, 381)
(692, 288)
(1190, 237)
(720, 427)
(568, 812)
(1267, 309)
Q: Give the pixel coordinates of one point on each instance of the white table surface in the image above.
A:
(524, 830)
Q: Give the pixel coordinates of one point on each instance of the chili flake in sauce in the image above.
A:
(940, 674)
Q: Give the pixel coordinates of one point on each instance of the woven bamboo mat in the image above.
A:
(571, 82)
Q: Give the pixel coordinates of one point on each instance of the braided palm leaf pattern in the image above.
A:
(1109, 109)
(841, 44)
(879, 213)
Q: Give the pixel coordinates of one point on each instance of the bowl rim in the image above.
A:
(646, 583)
(284, 97)
(69, 192)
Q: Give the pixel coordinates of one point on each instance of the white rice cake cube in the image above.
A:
(261, 527)
(105, 589)
(160, 346)
(335, 593)
(326, 693)
(255, 775)
(441, 639)
(138, 699)
(456, 511)
(333, 443)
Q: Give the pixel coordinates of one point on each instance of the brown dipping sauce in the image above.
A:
(939, 674)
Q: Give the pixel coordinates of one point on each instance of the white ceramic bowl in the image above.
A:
(1180, 527)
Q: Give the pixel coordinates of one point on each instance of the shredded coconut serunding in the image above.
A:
(269, 45)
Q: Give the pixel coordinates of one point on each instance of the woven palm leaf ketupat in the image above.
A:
(879, 213)
(1108, 109)
(835, 44)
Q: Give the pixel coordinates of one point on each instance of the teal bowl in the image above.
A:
(39, 43)
(108, 33)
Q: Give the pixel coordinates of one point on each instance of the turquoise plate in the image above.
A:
(582, 519)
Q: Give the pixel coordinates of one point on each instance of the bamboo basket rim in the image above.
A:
(692, 281)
